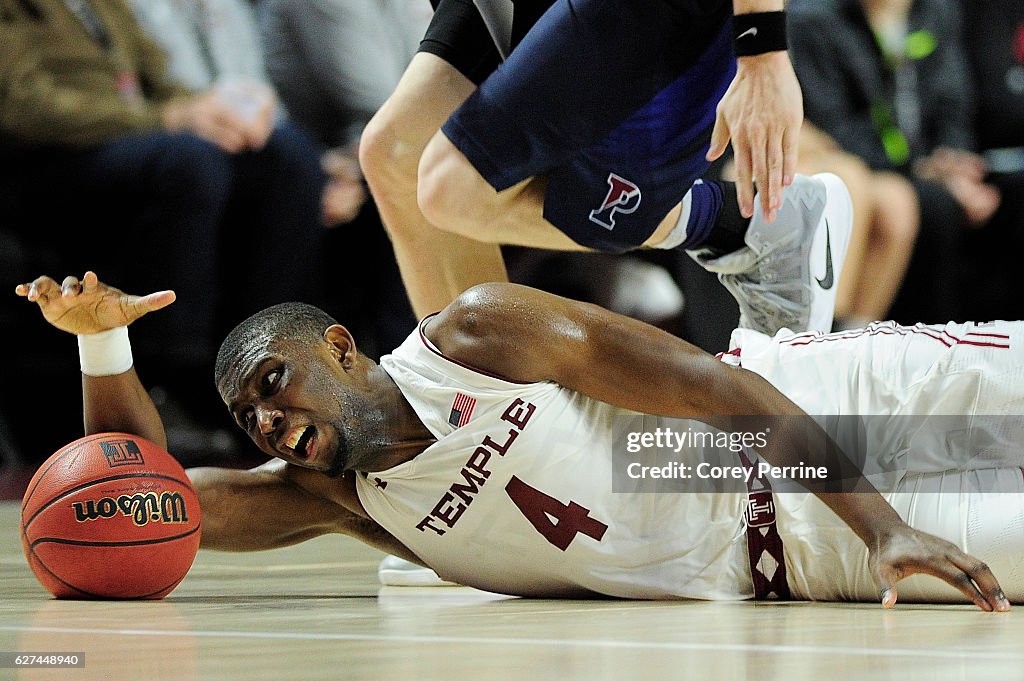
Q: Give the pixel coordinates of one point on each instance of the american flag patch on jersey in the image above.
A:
(462, 410)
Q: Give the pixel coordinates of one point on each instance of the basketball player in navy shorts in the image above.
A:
(586, 124)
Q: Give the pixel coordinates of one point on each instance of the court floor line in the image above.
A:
(987, 655)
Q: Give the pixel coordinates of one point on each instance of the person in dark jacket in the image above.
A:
(102, 133)
(889, 81)
(96, 131)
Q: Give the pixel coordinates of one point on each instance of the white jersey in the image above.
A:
(511, 460)
(958, 478)
(515, 495)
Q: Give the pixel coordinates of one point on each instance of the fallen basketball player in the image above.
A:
(482, 448)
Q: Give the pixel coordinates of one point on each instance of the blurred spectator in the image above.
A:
(885, 214)
(994, 39)
(888, 81)
(215, 45)
(122, 170)
(205, 40)
(334, 62)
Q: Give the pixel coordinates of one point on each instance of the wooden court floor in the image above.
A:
(316, 611)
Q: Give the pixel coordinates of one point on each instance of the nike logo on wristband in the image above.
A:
(752, 31)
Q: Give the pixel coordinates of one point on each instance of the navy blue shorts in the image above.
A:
(614, 102)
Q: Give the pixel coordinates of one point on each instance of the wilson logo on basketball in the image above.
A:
(168, 507)
(122, 453)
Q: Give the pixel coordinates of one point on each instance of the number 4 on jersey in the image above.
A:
(539, 509)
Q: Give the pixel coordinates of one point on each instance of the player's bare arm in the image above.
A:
(527, 335)
(270, 506)
(278, 504)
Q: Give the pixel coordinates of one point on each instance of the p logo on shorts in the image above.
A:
(623, 197)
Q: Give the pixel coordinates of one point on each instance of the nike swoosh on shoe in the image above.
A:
(826, 282)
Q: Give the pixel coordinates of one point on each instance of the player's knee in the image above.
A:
(434, 197)
(449, 191)
(388, 162)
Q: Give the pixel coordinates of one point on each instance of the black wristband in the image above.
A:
(759, 32)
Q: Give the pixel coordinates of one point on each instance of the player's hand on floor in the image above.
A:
(905, 551)
(89, 306)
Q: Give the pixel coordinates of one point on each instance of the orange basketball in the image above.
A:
(110, 515)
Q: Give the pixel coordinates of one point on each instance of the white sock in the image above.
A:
(678, 233)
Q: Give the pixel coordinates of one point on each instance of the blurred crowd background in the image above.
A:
(223, 165)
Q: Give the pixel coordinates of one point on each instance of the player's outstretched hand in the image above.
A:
(762, 112)
(905, 551)
(89, 306)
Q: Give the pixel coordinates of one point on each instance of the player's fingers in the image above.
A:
(90, 282)
(982, 578)
(744, 181)
(938, 564)
(70, 286)
(759, 168)
(886, 577)
(154, 301)
(963, 581)
(790, 155)
(719, 138)
(946, 570)
(42, 289)
(774, 172)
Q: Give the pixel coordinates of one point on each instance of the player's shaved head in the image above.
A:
(286, 325)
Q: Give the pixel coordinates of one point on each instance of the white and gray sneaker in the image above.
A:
(395, 571)
(787, 274)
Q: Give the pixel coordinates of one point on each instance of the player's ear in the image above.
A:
(343, 345)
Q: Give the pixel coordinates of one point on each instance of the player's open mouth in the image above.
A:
(299, 439)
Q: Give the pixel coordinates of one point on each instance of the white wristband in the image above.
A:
(105, 353)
